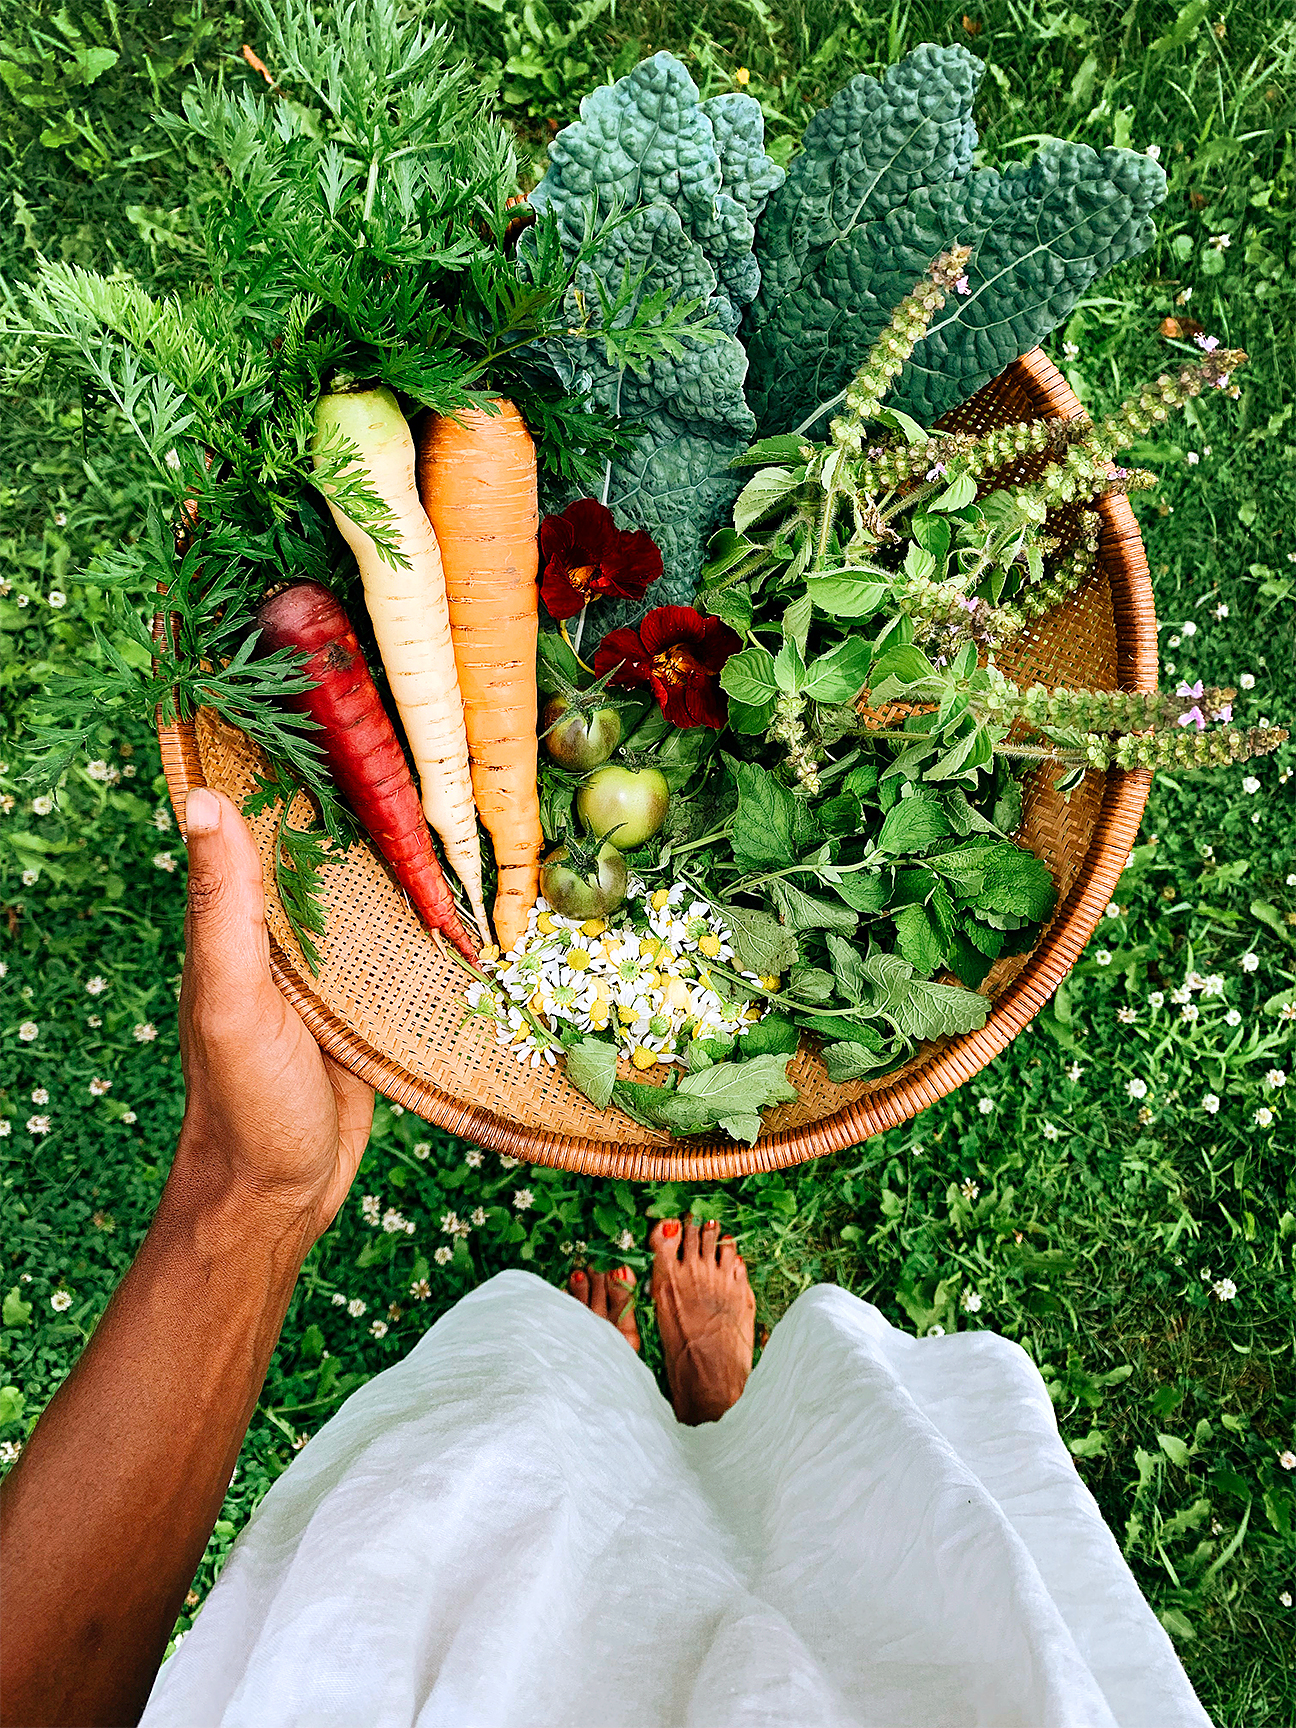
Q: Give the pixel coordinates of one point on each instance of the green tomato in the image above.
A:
(577, 895)
(627, 805)
(576, 740)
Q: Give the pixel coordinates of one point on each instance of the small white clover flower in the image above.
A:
(1222, 611)
(339, 1300)
(1074, 1072)
(1136, 1088)
(145, 1032)
(1250, 962)
(129, 1118)
(378, 1329)
(61, 1301)
(1210, 1104)
(1264, 1117)
(1224, 1290)
(371, 1208)
(1233, 1017)
(1103, 957)
(1287, 1459)
(355, 1307)
(1126, 1016)
(507, 1162)
(1050, 1131)
(1189, 628)
(970, 1302)
(450, 1223)
(30, 878)
(43, 805)
(1191, 1013)
(6, 1127)
(162, 820)
(393, 1224)
(1247, 681)
(477, 1217)
(1192, 458)
(1113, 910)
(420, 1289)
(1156, 999)
(40, 1095)
(442, 1255)
(164, 861)
(522, 1199)
(1276, 1077)
(985, 1106)
(1250, 784)
(473, 1158)
(1180, 996)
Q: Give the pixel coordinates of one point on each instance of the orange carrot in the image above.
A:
(477, 480)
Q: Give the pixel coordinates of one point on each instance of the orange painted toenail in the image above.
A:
(711, 1224)
(671, 1227)
(578, 1277)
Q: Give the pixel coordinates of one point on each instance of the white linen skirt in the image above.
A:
(509, 1529)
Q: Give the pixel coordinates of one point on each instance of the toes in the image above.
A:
(692, 1236)
(665, 1239)
(578, 1286)
(710, 1236)
(620, 1300)
(728, 1255)
(598, 1300)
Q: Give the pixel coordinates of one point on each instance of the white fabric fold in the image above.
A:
(509, 1529)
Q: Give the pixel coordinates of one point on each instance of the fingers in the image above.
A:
(227, 948)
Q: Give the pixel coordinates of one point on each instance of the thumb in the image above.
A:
(226, 944)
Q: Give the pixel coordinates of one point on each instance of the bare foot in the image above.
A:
(610, 1294)
(706, 1314)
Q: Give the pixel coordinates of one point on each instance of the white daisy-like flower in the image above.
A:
(61, 1301)
(43, 805)
(985, 1105)
(443, 1255)
(1190, 1013)
(94, 1020)
(6, 1127)
(420, 1290)
(1287, 1459)
(1214, 985)
(1250, 783)
(129, 1118)
(1180, 996)
(1136, 1088)
(1074, 1072)
(28, 1032)
(57, 599)
(422, 1149)
(1247, 681)
(30, 878)
(970, 1189)
(1113, 910)
(1210, 1104)
(1127, 1016)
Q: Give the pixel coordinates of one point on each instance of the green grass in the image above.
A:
(1097, 1248)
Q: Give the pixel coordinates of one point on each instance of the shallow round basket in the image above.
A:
(389, 1005)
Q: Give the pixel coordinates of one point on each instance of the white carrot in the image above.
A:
(410, 618)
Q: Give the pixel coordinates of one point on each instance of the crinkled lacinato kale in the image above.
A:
(693, 177)
(880, 189)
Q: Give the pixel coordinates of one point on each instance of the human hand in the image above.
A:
(267, 1114)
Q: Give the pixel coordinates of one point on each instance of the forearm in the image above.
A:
(106, 1515)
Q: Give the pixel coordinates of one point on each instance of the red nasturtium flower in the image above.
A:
(679, 653)
(586, 555)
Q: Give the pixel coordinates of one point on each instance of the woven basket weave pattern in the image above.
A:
(389, 1006)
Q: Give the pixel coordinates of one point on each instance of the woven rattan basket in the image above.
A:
(389, 1006)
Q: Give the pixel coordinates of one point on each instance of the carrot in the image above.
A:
(410, 620)
(360, 745)
(477, 480)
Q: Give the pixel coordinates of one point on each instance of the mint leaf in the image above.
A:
(742, 1127)
(919, 1009)
(732, 606)
(841, 674)
(742, 1087)
(811, 984)
(762, 831)
(760, 943)
(917, 938)
(866, 890)
(591, 1068)
(771, 1036)
(913, 824)
(848, 969)
(850, 1061)
(802, 911)
(846, 596)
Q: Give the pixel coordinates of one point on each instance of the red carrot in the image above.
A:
(363, 754)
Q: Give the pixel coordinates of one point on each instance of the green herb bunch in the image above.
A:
(356, 221)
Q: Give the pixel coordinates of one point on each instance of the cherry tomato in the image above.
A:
(627, 805)
(576, 895)
(579, 740)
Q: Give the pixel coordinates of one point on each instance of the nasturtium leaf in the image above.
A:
(591, 1068)
(749, 677)
(762, 831)
(914, 823)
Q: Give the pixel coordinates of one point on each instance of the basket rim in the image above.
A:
(948, 1063)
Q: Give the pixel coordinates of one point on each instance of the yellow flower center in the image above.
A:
(643, 1057)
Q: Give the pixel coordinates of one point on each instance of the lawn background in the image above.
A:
(1094, 1226)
